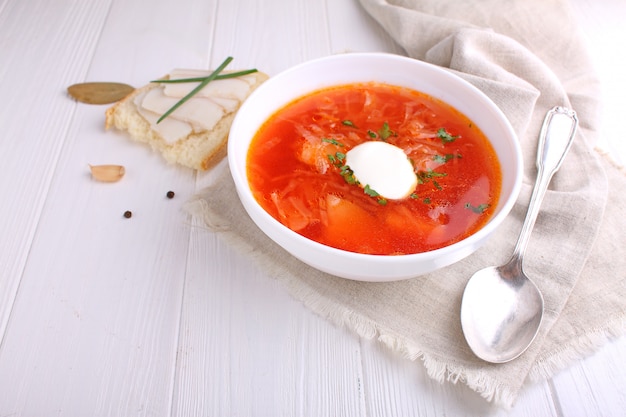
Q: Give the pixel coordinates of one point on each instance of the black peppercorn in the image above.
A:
(170, 194)
(128, 214)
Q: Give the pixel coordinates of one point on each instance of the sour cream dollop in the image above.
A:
(383, 167)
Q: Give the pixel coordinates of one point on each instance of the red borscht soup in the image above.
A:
(297, 170)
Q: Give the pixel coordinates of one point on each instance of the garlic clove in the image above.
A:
(107, 173)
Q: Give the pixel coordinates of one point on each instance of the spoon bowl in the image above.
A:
(502, 309)
(508, 306)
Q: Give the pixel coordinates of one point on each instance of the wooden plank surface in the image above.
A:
(36, 122)
(154, 315)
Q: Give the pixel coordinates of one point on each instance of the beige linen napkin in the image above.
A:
(526, 56)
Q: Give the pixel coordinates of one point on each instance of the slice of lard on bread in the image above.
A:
(195, 134)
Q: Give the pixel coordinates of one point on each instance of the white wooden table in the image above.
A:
(152, 316)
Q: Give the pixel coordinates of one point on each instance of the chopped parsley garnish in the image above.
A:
(372, 193)
(445, 158)
(424, 176)
(344, 170)
(337, 158)
(425, 200)
(477, 209)
(369, 191)
(445, 136)
(440, 159)
(348, 175)
(385, 132)
(332, 141)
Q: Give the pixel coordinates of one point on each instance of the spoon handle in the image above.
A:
(555, 139)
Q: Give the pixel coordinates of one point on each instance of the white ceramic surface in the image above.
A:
(392, 69)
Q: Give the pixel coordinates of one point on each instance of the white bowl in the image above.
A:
(391, 69)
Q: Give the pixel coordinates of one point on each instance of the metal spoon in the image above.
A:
(502, 308)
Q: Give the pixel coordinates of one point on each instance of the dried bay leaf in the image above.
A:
(99, 92)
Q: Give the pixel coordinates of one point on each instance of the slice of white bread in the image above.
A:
(198, 147)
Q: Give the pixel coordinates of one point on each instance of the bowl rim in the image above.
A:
(248, 200)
